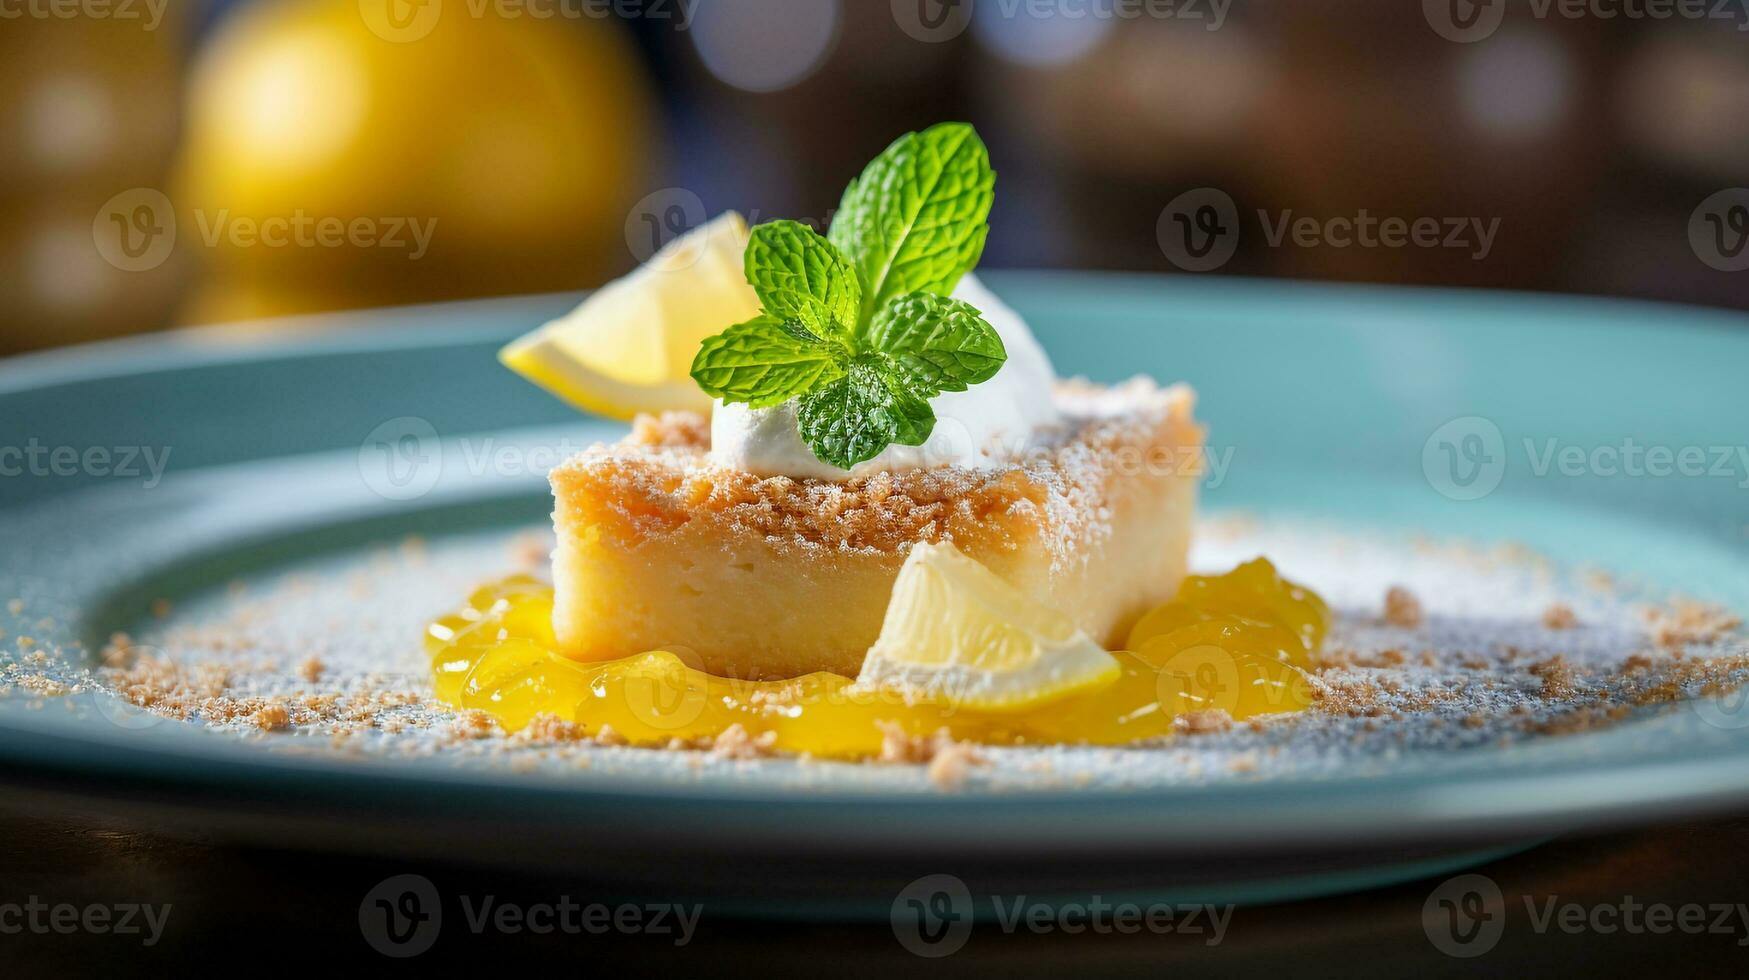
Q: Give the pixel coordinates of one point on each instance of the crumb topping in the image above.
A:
(1402, 608)
(660, 478)
(1560, 616)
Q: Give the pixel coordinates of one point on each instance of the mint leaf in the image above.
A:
(800, 276)
(915, 220)
(940, 343)
(857, 326)
(860, 414)
(765, 362)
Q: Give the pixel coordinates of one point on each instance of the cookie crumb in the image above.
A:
(1558, 678)
(734, 742)
(473, 724)
(531, 550)
(899, 746)
(1212, 721)
(952, 765)
(1560, 616)
(311, 669)
(607, 735)
(548, 727)
(1687, 621)
(1636, 663)
(272, 718)
(1402, 608)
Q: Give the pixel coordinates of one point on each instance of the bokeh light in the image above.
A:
(1516, 84)
(1051, 36)
(765, 45)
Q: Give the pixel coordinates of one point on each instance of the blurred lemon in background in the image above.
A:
(340, 155)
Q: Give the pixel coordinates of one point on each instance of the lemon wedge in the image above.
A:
(629, 347)
(955, 632)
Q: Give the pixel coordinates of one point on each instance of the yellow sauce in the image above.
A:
(1238, 643)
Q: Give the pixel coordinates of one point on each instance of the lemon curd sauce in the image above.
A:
(1239, 643)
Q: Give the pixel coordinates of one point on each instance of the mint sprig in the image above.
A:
(915, 219)
(859, 326)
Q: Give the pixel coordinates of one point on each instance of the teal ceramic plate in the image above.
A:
(1388, 411)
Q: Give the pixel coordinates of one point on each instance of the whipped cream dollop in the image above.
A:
(972, 427)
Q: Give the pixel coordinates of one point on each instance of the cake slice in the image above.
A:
(660, 548)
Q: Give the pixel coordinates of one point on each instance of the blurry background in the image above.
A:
(169, 162)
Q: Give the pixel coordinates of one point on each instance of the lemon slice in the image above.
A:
(629, 347)
(957, 632)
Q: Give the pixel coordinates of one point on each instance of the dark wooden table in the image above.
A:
(269, 912)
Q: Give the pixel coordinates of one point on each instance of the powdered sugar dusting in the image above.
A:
(1481, 674)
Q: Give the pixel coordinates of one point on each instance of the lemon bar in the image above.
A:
(662, 548)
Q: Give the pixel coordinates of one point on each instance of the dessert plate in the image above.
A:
(361, 473)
